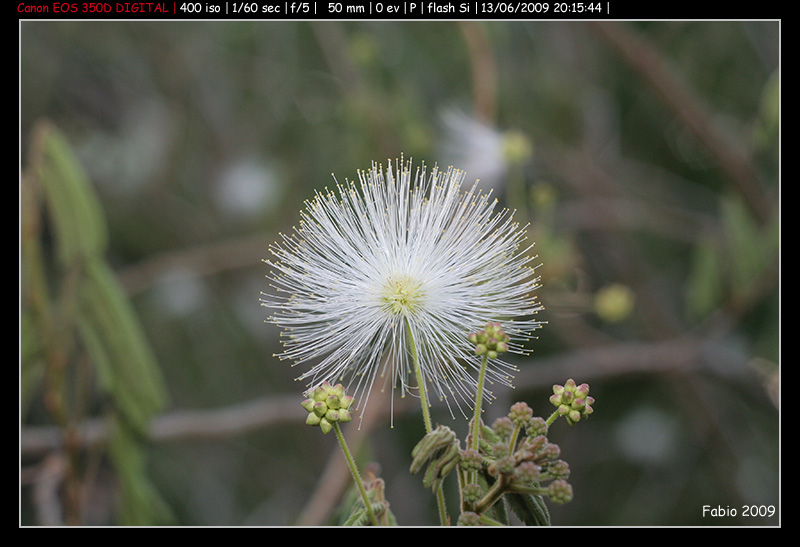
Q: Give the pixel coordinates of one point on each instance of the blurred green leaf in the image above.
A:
(744, 242)
(118, 347)
(140, 503)
(76, 215)
(767, 127)
(729, 265)
(705, 288)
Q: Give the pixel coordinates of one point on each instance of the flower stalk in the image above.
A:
(351, 464)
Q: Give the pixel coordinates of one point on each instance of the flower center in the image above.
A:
(402, 295)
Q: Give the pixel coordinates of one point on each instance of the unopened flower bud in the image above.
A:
(471, 492)
(560, 491)
(320, 408)
(468, 518)
(503, 427)
(527, 472)
(470, 460)
(536, 426)
(308, 404)
(332, 415)
(325, 425)
(327, 405)
(558, 469)
(520, 414)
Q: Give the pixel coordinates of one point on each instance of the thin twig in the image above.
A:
(651, 66)
(608, 361)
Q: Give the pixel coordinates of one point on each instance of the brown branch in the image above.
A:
(611, 360)
(651, 66)
(484, 72)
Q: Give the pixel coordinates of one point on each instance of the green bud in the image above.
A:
(308, 404)
(582, 391)
(325, 425)
(614, 303)
(320, 393)
(337, 390)
(320, 408)
(327, 405)
(332, 415)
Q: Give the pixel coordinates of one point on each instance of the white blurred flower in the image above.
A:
(483, 150)
(399, 254)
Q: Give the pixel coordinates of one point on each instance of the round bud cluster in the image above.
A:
(503, 427)
(527, 472)
(470, 460)
(520, 414)
(558, 469)
(503, 466)
(328, 404)
(468, 518)
(572, 401)
(491, 341)
(472, 492)
(536, 427)
(560, 491)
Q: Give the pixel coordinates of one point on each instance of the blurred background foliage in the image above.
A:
(160, 159)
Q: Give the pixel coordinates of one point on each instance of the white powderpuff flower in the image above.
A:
(399, 265)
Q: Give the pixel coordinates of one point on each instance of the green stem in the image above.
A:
(423, 397)
(478, 404)
(494, 493)
(426, 415)
(512, 442)
(553, 417)
(356, 476)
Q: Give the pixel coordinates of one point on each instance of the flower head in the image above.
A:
(401, 263)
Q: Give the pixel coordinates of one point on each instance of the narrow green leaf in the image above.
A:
(75, 212)
(744, 242)
(120, 352)
(140, 502)
(530, 508)
(705, 284)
